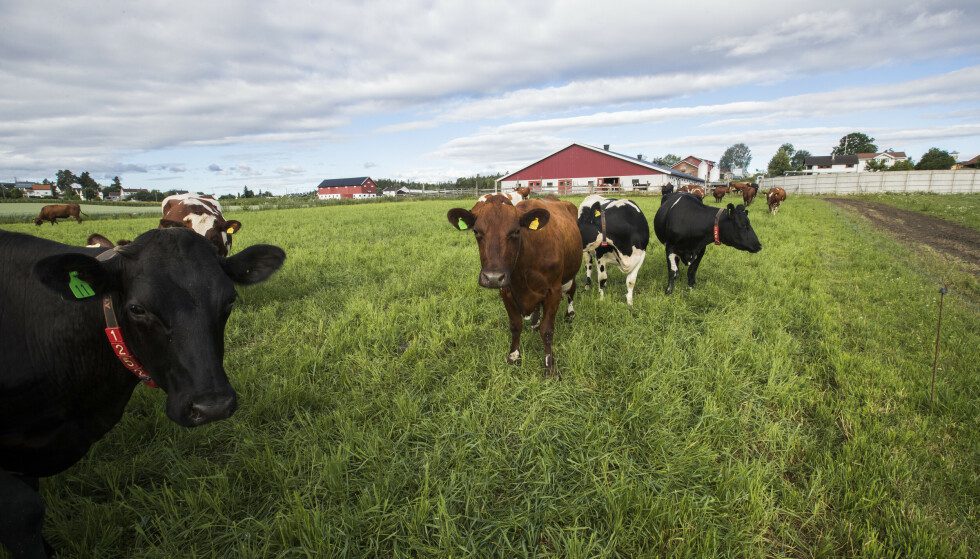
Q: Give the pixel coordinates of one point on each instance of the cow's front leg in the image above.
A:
(692, 268)
(548, 331)
(516, 325)
(21, 517)
(589, 257)
(672, 269)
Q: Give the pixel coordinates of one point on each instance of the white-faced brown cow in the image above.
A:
(531, 253)
(203, 215)
(774, 198)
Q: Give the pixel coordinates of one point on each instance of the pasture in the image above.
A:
(24, 212)
(781, 409)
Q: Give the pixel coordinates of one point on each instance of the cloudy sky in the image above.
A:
(279, 95)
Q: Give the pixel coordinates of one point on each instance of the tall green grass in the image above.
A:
(778, 410)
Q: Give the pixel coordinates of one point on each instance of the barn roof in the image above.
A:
(623, 156)
(343, 182)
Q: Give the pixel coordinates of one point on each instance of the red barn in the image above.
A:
(582, 167)
(356, 188)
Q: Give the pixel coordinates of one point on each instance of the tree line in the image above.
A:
(787, 159)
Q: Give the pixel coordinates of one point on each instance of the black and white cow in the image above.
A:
(686, 227)
(81, 327)
(622, 239)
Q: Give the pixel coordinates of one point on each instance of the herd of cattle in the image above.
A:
(153, 310)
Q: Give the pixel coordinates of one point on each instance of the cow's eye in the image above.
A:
(137, 310)
(515, 234)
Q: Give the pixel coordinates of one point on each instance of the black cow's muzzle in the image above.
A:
(494, 280)
(208, 407)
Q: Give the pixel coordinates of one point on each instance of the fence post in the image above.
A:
(836, 181)
(929, 187)
(907, 173)
(973, 184)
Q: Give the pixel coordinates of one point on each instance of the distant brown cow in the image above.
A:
(531, 253)
(693, 189)
(719, 193)
(53, 212)
(774, 198)
(749, 192)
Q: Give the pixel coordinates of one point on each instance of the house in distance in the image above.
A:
(355, 188)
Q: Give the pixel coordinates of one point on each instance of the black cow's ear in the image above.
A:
(731, 208)
(254, 264)
(535, 219)
(596, 209)
(461, 219)
(76, 277)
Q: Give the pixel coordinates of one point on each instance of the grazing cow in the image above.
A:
(82, 327)
(203, 215)
(749, 192)
(54, 212)
(719, 193)
(613, 231)
(686, 227)
(774, 198)
(737, 186)
(531, 253)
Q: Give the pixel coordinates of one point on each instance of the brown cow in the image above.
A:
(749, 192)
(203, 215)
(531, 253)
(693, 189)
(719, 193)
(774, 198)
(52, 212)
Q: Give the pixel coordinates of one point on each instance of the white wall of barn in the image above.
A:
(654, 180)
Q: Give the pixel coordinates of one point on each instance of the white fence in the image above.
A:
(963, 181)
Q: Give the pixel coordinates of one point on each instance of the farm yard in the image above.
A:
(780, 409)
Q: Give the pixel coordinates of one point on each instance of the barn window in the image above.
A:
(549, 183)
(591, 183)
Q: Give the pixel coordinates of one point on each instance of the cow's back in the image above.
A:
(555, 249)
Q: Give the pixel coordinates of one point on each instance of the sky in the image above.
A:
(215, 96)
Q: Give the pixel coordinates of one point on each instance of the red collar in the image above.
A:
(716, 233)
(118, 344)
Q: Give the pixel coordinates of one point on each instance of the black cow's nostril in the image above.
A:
(211, 408)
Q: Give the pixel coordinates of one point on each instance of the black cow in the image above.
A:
(62, 386)
(686, 227)
(623, 240)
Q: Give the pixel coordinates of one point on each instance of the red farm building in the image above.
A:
(585, 168)
(356, 188)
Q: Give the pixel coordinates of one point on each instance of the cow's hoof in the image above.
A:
(550, 368)
(569, 316)
(669, 290)
(514, 358)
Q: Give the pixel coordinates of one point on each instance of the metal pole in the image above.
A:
(935, 360)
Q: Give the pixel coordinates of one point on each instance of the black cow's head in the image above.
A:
(498, 227)
(172, 296)
(590, 223)
(736, 231)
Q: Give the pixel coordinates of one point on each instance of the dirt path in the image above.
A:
(947, 238)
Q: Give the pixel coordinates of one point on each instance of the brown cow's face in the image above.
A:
(499, 228)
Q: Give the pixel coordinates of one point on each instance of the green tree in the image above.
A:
(780, 163)
(246, 193)
(90, 193)
(855, 142)
(65, 179)
(738, 156)
(935, 159)
(874, 166)
(788, 148)
(668, 160)
(116, 183)
(906, 165)
(798, 160)
(86, 181)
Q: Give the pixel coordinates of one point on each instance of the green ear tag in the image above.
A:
(461, 224)
(79, 287)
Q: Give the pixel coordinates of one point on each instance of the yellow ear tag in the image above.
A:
(597, 213)
(533, 226)
(231, 230)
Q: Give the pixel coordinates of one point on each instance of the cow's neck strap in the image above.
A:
(716, 232)
(118, 344)
(602, 223)
(115, 336)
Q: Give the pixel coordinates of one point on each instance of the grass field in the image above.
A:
(781, 409)
(958, 208)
